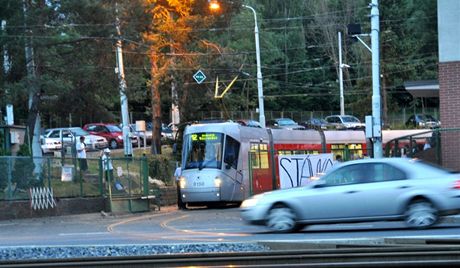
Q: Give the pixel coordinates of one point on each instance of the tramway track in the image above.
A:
(394, 256)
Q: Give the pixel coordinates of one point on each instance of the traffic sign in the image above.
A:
(199, 77)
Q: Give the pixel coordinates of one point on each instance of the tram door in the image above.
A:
(261, 171)
(231, 157)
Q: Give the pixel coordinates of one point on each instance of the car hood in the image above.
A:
(282, 193)
(291, 127)
(94, 138)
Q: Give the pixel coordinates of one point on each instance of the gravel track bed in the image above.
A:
(62, 252)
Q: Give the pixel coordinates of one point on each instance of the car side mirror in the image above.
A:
(319, 184)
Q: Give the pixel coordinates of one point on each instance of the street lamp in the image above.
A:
(260, 90)
(214, 5)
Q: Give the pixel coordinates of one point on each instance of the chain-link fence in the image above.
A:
(395, 119)
(68, 177)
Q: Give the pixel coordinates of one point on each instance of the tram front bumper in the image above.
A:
(195, 195)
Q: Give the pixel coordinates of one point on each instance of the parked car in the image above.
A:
(166, 132)
(140, 134)
(50, 144)
(285, 123)
(361, 190)
(344, 122)
(423, 121)
(111, 132)
(315, 123)
(53, 139)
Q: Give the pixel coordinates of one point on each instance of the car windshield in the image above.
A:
(79, 131)
(350, 119)
(166, 130)
(286, 121)
(318, 121)
(113, 128)
(203, 150)
(428, 117)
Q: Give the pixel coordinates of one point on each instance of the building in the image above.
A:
(449, 79)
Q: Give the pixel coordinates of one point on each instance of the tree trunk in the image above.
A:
(156, 109)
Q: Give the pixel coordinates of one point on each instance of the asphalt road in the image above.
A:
(190, 226)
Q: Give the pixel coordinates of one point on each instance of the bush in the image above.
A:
(161, 168)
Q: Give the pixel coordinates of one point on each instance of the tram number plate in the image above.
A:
(198, 183)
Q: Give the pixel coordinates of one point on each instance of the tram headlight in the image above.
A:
(217, 182)
(182, 182)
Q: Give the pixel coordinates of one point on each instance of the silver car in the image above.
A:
(361, 190)
(68, 136)
(344, 122)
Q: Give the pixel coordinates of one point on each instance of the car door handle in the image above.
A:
(403, 187)
(351, 192)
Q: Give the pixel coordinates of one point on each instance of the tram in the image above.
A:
(227, 162)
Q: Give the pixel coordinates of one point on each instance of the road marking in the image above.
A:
(87, 234)
(111, 227)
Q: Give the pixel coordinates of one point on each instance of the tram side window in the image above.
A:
(232, 149)
(259, 156)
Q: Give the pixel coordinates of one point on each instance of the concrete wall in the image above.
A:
(20, 209)
(10, 210)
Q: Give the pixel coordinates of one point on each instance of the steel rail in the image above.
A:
(405, 256)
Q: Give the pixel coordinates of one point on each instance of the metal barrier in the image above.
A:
(425, 145)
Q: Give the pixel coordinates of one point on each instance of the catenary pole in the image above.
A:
(342, 100)
(127, 146)
(376, 109)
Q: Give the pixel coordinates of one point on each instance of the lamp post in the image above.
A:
(341, 66)
(260, 90)
(214, 5)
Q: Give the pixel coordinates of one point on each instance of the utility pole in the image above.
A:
(175, 114)
(376, 110)
(33, 120)
(342, 101)
(127, 146)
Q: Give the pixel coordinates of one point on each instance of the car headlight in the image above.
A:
(120, 137)
(217, 182)
(251, 201)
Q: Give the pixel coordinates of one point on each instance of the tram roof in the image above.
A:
(231, 128)
(342, 137)
(285, 136)
(388, 135)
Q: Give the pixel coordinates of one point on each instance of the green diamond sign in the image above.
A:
(199, 77)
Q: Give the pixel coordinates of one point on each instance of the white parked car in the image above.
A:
(361, 190)
(53, 138)
(344, 122)
(49, 144)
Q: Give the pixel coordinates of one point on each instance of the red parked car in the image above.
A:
(111, 132)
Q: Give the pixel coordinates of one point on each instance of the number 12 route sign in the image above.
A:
(199, 77)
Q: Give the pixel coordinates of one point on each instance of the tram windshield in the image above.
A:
(203, 150)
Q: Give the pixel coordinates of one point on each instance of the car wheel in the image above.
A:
(421, 214)
(113, 144)
(281, 219)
